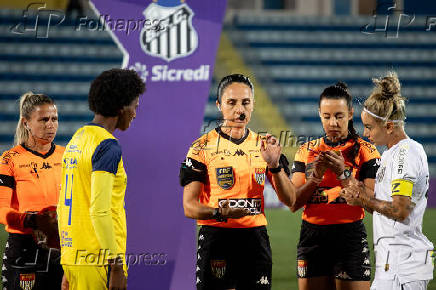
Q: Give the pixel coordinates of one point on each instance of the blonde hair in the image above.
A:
(28, 102)
(385, 102)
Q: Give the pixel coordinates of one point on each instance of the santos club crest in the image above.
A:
(174, 36)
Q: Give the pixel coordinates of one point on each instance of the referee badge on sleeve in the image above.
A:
(259, 175)
(225, 177)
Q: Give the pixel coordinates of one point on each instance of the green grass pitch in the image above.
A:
(284, 230)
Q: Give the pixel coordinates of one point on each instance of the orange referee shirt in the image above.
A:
(29, 181)
(326, 206)
(231, 169)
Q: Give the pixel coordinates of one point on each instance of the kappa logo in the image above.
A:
(239, 152)
(177, 37)
(45, 165)
(188, 162)
(263, 280)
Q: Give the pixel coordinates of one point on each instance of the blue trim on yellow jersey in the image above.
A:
(94, 124)
(107, 156)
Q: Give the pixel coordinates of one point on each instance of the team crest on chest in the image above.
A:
(225, 177)
(259, 175)
(27, 281)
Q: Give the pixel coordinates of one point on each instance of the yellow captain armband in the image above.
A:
(402, 187)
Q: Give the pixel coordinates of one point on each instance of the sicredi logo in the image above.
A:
(177, 37)
(164, 73)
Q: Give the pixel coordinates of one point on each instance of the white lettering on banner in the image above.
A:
(165, 74)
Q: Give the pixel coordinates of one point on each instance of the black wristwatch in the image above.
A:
(345, 175)
(275, 170)
(30, 220)
(218, 216)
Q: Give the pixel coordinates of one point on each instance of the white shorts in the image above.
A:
(395, 285)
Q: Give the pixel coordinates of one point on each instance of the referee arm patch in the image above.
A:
(402, 187)
(298, 166)
(7, 181)
(192, 170)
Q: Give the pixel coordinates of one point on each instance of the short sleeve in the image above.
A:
(405, 164)
(300, 159)
(107, 156)
(405, 171)
(194, 167)
(369, 160)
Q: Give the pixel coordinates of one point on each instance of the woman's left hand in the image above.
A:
(335, 162)
(355, 193)
(270, 150)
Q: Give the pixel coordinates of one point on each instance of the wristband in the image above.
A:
(218, 216)
(30, 220)
(275, 170)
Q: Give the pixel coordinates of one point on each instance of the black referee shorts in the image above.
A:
(27, 266)
(233, 258)
(334, 250)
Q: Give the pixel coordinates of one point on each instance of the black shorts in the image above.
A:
(334, 250)
(233, 258)
(27, 266)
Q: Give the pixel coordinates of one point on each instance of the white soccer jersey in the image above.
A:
(401, 249)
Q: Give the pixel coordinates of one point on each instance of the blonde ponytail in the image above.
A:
(28, 102)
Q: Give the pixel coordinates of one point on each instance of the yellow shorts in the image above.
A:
(86, 277)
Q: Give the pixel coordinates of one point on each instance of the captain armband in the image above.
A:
(192, 170)
(402, 187)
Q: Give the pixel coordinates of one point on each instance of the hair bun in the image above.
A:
(388, 86)
(342, 85)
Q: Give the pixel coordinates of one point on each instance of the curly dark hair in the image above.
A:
(113, 89)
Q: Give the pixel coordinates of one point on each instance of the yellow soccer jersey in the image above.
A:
(92, 149)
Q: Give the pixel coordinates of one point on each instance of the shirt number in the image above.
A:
(69, 201)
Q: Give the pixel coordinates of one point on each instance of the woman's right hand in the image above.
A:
(319, 166)
(232, 213)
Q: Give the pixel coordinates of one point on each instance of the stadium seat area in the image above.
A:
(292, 65)
(61, 66)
